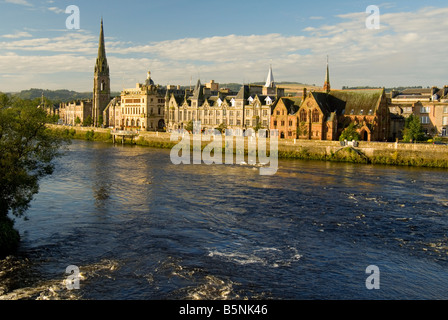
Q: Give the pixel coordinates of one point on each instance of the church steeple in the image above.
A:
(101, 66)
(270, 80)
(327, 86)
(101, 86)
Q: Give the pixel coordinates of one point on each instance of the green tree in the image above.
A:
(87, 122)
(189, 126)
(302, 129)
(413, 130)
(350, 133)
(27, 151)
(100, 120)
(77, 121)
(222, 127)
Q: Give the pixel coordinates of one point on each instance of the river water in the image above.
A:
(139, 227)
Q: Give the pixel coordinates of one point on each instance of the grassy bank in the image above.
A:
(369, 153)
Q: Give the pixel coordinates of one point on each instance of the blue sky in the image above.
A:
(227, 41)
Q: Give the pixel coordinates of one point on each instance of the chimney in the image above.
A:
(304, 93)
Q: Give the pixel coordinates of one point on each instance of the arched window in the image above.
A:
(138, 123)
(315, 115)
(127, 123)
(303, 117)
(132, 123)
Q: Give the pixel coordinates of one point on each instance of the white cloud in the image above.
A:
(56, 10)
(407, 50)
(17, 35)
(19, 2)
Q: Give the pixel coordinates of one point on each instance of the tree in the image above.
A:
(27, 151)
(302, 129)
(222, 127)
(100, 120)
(350, 133)
(87, 122)
(77, 121)
(413, 130)
(189, 126)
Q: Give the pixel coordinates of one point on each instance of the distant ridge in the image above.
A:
(55, 96)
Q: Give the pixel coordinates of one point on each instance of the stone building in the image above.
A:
(284, 117)
(139, 108)
(91, 108)
(323, 115)
(101, 84)
(250, 107)
(76, 112)
(430, 105)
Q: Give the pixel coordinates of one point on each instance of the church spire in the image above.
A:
(101, 66)
(270, 79)
(327, 86)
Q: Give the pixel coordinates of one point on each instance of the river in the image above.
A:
(141, 228)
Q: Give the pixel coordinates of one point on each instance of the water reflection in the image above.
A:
(143, 228)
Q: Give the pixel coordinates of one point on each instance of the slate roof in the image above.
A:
(354, 102)
(292, 104)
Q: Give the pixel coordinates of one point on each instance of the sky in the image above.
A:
(182, 41)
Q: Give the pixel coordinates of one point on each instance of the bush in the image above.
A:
(9, 237)
(350, 133)
(90, 135)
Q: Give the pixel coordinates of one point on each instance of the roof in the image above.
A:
(292, 104)
(356, 102)
(270, 79)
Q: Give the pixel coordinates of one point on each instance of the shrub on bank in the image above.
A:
(9, 237)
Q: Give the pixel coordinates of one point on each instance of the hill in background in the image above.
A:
(58, 96)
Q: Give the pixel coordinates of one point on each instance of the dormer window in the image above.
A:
(251, 100)
(361, 112)
(268, 101)
(232, 102)
(219, 102)
(370, 112)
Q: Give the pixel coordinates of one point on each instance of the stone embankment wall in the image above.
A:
(420, 154)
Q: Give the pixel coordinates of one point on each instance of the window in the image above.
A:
(361, 112)
(278, 112)
(265, 123)
(445, 109)
(425, 120)
(247, 113)
(275, 123)
(290, 123)
(425, 109)
(247, 122)
(315, 115)
(265, 113)
(302, 115)
(445, 121)
(283, 123)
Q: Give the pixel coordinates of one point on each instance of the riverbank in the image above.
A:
(402, 154)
